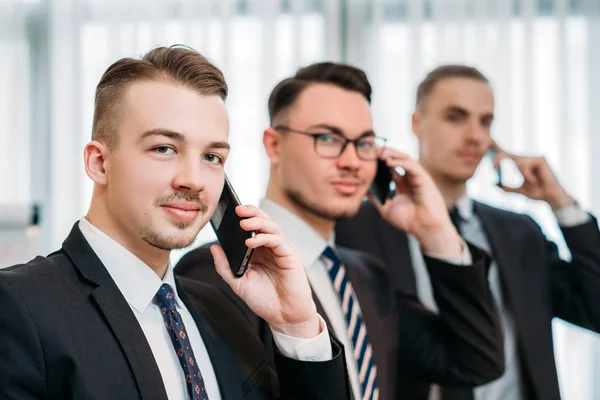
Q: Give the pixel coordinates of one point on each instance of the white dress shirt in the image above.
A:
(509, 385)
(309, 245)
(139, 284)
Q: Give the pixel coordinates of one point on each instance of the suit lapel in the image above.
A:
(504, 245)
(132, 340)
(119, 316)
(394, 247)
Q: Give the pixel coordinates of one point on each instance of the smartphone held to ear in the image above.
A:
(381, 186)
(508, 173)
(231, 236)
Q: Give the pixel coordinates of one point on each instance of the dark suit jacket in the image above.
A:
(461, 347)
(538, 285)
(67, 332)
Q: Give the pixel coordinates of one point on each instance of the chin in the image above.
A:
(169, 237)
(346, 209)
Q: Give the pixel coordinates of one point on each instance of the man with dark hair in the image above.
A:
(105, 318)
(323, 154)
(530, 283)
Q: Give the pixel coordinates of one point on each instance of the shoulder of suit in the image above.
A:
(507, 216)
(198, 258)
(39, 281)
(49, 267)
(366, 262)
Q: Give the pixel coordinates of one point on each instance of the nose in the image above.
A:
(189, 177)
(475, 132)
(349, 158)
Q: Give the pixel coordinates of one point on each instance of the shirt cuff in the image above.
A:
(571, 216)
(315, 349)
(464, 259)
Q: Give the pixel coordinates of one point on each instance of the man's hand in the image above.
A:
(418, 207)
(539, 182)
(275, 287)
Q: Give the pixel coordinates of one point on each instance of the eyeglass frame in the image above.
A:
(316, 136)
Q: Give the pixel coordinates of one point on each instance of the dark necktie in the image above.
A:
(455, 217)
(181, 342)
(456, 393)
(357, 330)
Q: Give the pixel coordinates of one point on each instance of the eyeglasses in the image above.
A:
(332, 145)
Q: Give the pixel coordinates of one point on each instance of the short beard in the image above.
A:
(316, 208)
(163, 242)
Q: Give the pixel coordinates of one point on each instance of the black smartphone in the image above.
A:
(380, 188)
(492, 155)
(231, 236)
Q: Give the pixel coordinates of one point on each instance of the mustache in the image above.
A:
(188, 197)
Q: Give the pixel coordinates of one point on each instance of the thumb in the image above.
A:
(222, 266)
(509, 189)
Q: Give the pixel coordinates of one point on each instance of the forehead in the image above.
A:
(332, 105)
(161, 105)
(466, 93)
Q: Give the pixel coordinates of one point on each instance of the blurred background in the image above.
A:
(542, 57)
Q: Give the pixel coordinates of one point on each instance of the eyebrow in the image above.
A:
(456, 109)
(462, 111)
(338, 131)
(181, 138)
(218, 145)
(164, 132)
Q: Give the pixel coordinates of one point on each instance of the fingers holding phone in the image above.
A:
(417, 206)
(275, 286)
(261, 268)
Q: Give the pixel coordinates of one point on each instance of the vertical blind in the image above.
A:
(541, 56)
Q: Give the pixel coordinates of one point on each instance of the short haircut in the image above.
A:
(446, 72)
(341, 75)
(176, 64)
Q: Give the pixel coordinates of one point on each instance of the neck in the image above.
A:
(451, 190)
(156, 259)
(324, 227)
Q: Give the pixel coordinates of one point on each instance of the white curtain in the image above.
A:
(542, 57)
(14, 106)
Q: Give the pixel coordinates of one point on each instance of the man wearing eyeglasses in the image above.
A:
(323, 155)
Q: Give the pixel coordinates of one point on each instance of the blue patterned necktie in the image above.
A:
(357, 330)
(181, 342)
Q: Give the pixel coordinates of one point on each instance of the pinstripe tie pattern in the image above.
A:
(367, 370)
(193, 378)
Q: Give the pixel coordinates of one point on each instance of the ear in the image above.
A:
(416, 119)
(94, 159)
(272, 141)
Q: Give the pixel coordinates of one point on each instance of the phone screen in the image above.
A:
(380, 188)
(231, 236)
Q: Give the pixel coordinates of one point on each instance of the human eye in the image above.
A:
(454, 117)
(328, 138)
(214, 159)
(366, 143)
(164, 150)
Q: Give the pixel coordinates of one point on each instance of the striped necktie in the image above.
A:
(367, 370)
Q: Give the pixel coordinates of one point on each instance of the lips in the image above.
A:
(346, 187)
(185, 212)
(469, 155)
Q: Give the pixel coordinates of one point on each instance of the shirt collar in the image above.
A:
(136, 280)
(464, 205)
(306, 241)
